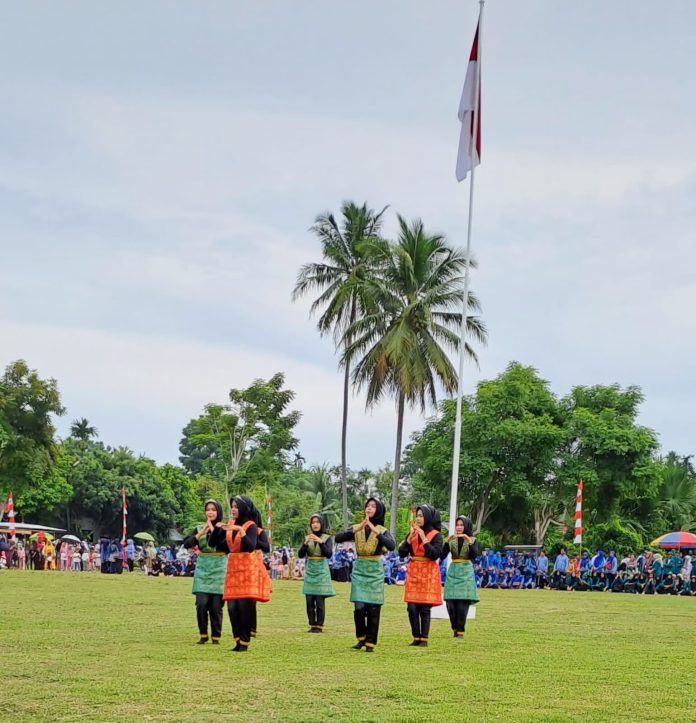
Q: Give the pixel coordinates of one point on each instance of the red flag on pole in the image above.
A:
(124, 557)
(470, 114)
(578, 516)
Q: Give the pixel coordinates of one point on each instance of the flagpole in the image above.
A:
(465, 298)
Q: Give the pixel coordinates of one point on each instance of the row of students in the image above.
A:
(230, 568)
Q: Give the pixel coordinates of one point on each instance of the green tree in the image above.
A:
(28, 451)
(676, 499)
(610, 452)
(82, 430)
(340, 281)
(400, 346)
(245, 441)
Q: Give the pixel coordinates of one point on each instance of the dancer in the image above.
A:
(243, 582)
(317, 548)
(367, 582)
(460, 586)
(423, 588)
(209, 577)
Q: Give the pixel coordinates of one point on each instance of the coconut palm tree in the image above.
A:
(677, 494)
(339, 278)
(82, 430)
(400, 346)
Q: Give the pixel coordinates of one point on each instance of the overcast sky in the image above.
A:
(161, 162)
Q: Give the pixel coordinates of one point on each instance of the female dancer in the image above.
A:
(367, 583)
(243, 582)
(317, 548)
(460, 586)
(423, 588)
(209, 577)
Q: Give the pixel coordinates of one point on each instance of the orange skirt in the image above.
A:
(266, 588)
(245, 579)
(423, 585)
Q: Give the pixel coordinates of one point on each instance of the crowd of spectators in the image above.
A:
(647, 573)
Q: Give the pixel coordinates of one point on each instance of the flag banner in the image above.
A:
(577, 540)
(470, 114)
(10, 515)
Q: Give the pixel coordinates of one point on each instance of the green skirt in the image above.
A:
(210, 574)
(460, 583)
(367, 582)
(317, 579)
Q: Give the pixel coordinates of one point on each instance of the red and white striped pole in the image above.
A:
(11, 514)
(124, 557)
(577, 540)
(269, 520)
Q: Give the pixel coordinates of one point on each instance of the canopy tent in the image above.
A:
(25, 528)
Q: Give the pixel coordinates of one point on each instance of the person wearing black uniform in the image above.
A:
(371, 539)
(243, 583)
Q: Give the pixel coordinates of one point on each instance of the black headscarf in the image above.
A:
(319, 517)
(429, 517)
(378, 518)
(218, 510)
(468, 526)
(257, 518)
(247, 509)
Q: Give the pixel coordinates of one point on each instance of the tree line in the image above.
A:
(393, 309)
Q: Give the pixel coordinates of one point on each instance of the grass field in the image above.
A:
(89, 647)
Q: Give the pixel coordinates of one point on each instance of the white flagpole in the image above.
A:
(465, 309)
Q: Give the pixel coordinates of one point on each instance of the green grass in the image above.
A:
(100, 648)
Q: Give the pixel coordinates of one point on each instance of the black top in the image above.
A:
(262, 542)
(384, 541)
(218, 539)
(432, 549)
(326, 549)
(474, 548)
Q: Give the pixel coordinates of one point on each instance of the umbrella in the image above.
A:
(675, 540)
(35, 536)
(144, 536)
(70, 538)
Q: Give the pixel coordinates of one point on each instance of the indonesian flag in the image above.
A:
(470, 113)
(578, 516)
(412, 516)
(9, 509)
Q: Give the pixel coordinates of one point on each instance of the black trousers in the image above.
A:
(254, 620)
(316, 610)
(209, 605)
(419, 617)
(457, 610)
(241, 614)
(367, 622)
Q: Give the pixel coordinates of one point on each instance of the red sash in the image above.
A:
(423, 586)
(243, 580)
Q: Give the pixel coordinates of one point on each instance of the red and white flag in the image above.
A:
(577, 540)
(470, 113)
(9, 509)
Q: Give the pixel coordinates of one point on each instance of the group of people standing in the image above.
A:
(230, 569)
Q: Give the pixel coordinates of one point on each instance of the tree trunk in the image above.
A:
(397, 467)
(344, 435)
